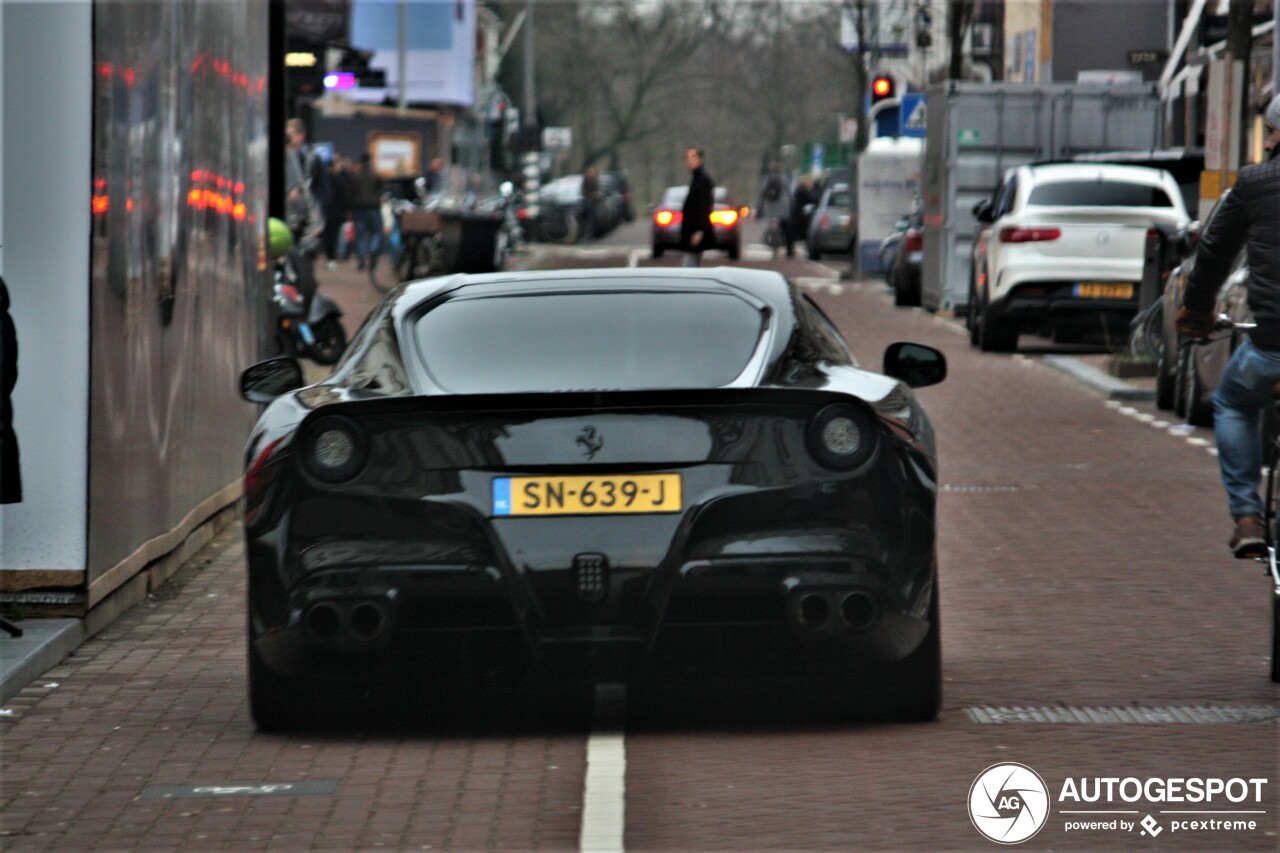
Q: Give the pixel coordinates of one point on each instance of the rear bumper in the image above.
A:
(1038, 302)
(785, 615)
(669, 238)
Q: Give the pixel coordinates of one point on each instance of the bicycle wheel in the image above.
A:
(1273, 535)
(382, 272)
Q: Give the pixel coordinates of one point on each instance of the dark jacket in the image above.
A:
(696, 217)
(1248, 217)
(364, 189)
(10, 480)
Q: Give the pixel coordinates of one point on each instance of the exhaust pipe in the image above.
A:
(367, 620)
(814, 612)
(859, 611)
(324, 621)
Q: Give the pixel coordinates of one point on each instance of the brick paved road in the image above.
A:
(1094, 574)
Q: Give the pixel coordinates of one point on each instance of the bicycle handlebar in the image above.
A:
(1222, 324)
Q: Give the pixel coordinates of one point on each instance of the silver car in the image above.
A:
(833, 228)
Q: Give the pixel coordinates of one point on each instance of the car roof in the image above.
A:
(766, 285)
(720, 193)
(1046, 172)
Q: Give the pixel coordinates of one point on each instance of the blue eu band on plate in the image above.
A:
(606, 495)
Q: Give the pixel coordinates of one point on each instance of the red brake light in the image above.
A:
(914, 241)
(667, 217)
(1029, 235)
(724, 217)
(1152, 235)
(260, 475)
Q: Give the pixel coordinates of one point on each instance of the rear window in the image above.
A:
(841, 199)
(674, 196)
(588, 341)
(1098, 194)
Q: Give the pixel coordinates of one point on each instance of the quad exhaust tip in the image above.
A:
(855, 611)
(363, 622)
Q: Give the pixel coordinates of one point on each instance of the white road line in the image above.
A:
(633, 259)
(604, 794)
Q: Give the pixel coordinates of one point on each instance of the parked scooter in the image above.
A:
(308, 323)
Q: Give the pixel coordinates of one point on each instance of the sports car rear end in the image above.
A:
(716, 523)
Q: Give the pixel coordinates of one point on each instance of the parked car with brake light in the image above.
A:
(1064, 250)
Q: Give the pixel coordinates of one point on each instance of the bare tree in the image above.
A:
(607, 62)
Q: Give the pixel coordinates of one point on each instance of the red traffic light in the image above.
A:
(881, 87)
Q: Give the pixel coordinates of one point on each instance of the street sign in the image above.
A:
(557, 137)
(912, 114)
(967, 136)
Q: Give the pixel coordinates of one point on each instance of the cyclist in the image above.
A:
(775, 208)
(1250, 216)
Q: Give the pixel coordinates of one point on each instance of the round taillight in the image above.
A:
(334, 449)
(842, 436)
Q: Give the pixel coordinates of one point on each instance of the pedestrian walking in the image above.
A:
(435, 176)
(696, 231)
(775, 206)
(303, 212)
(1249, 217)
(804, 197)
(592, 199)
(364, 198)
(333, 204)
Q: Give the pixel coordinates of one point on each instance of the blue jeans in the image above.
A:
(368, 232)
(1242, 395)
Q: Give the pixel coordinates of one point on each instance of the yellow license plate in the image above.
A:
(1104, 290)
(605, 495)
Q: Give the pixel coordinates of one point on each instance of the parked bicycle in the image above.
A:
(420, 254)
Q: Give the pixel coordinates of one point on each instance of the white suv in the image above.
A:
(1061, 247)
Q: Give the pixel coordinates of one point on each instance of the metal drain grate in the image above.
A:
(1164, 714)
(952, 487)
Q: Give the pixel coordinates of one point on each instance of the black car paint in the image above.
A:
(409, 545)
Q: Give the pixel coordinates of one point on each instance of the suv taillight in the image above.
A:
(1029, 235)
(914, 241)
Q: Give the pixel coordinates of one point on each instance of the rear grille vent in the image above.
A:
(591, 571)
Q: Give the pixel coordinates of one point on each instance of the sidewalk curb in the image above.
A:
(1113, 387)
(43, 645)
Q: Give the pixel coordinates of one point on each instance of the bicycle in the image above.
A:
(1271, 515)
(420, 253)
(773, 236)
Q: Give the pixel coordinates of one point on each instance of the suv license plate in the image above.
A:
(1104, 290)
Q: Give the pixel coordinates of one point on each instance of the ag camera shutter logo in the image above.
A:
(1008, 803)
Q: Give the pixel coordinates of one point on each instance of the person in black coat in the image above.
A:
(1248, 218)
(696, 231)
(10, 479)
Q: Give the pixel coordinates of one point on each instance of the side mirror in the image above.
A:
(915, 364)
(266, 380)
(984, 211)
